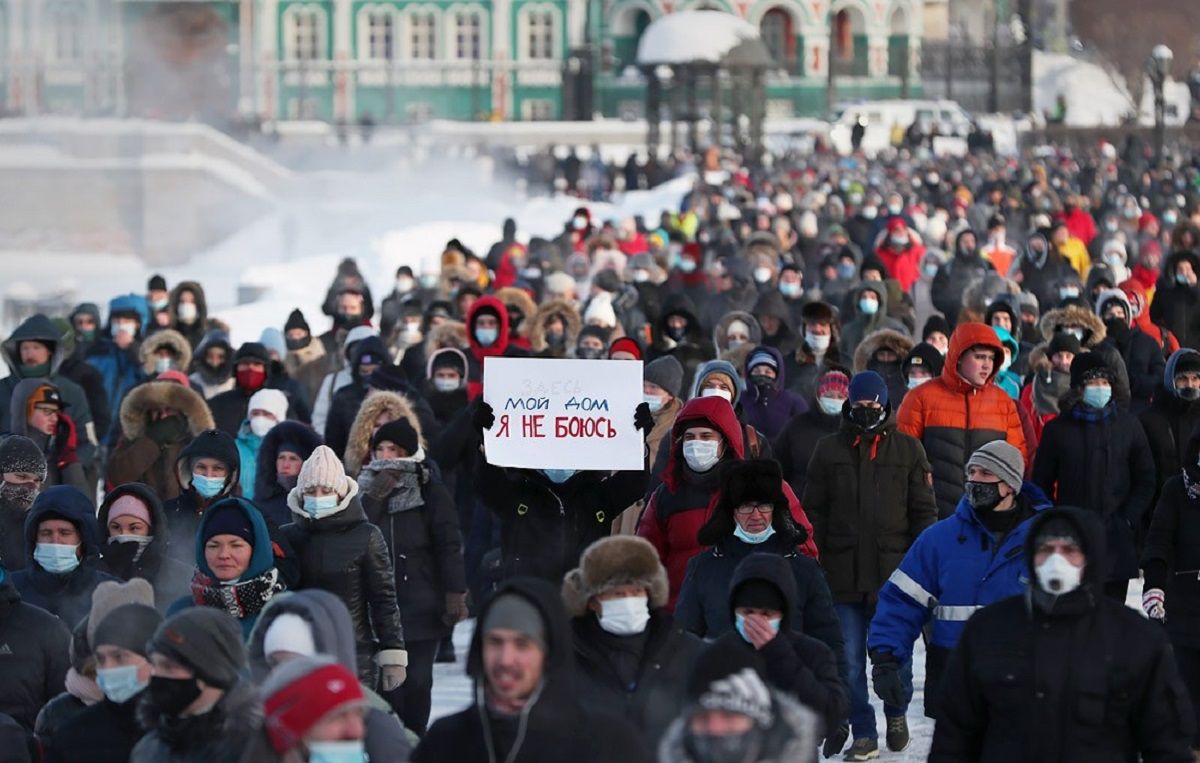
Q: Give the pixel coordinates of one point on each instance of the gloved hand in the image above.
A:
(885, 674)
(393, 668)
(1154, 604)
(643, 420)
(456, 609)
(836, 741)
(483, 417)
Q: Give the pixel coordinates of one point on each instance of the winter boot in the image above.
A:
(836, 740)
(863, 749)
(897, 734)
(445, 652)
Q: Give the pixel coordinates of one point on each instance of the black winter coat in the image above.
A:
(703, 605)
(1169, 423)
(1144, 362)
(868, 499)
(348, 556)
(419, 522)
(230, 408)
(103, 733)
(269, 496)
(556, 727)
(1077, 677)
(1171, 558)
(656, 695)
(795, 445)
(169, 576)
(35, 660)
(12, 537)
(1177, 308)
(219, 736)
(545, 527)
(1105, 467)
(345, 405)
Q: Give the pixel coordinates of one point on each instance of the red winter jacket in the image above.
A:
(681, 505)
(902, 264)
(476, 352)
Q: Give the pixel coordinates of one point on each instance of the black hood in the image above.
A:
(775, 570)
(680, 304)
(63, 502)
(1090, 531)
(556, 670)
(300, 435)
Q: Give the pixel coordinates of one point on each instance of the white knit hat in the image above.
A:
(600, 312)
(289, 633)
(323, 469)
(271, 400)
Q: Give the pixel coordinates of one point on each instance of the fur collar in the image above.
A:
(358, 446)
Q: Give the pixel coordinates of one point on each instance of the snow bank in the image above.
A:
(693, 36)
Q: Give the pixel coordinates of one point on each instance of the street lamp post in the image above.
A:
(1158, 67)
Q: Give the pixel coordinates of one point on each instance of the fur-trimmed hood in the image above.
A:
(614, 561)
(520, 299)
(1073, 315)
(448, 334)
(537, 324)
(1039, 359)
(163, 394)
(169, 339)
(358, 447)
(721, 343)
(883, 339)
(794, 735)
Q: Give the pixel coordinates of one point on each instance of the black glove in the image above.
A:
(885, 674)
(484, 417)
(643, 420)
(836, 741)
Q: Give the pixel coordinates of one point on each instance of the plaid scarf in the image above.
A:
(242, 600)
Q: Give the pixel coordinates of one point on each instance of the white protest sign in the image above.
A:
(563, 414)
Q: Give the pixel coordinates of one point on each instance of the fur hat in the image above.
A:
(749, 481)
(615, 561)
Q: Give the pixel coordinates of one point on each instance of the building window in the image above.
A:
(304, 34)
(422, 36)
(537, 110)
(468, 35)
(66, 35)
(381, 36)
(540, 35)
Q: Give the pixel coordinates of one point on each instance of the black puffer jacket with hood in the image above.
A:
(346, 555)
(860, 325)
(1176, 307)
(691, 349)
(68, 595)
(555, 726)
(35, 666)
(1066, 678)
(1171, 420)
(153, 562)
(1171, 557)
(270, 496)
(333, 634)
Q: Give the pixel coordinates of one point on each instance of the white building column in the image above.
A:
(343, 81)
(877, 55)
(267, 56)
(503, 74)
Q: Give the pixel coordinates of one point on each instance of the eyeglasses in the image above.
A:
(746, 509)
(46, 410)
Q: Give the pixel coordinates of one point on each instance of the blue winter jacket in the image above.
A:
(120, 369)
(953, 569)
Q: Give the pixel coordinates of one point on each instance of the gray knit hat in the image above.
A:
(205, 640)
(20, 454)
(514, 612)
(1002, 460)
(666, 372)
(112, 594)
(129, 627)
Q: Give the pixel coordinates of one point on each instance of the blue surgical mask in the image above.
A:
(1096, 397)
(845, 270)
(207, 487)
(486, 337)
(56, 558)
(559, 476)
(317, 506)
(831, 406)
(791, 289)
(351, 751)
(739, 622)
(917, 381)
(1181, 279)
(653, 402)
(753, 538)
(868, 306)
(120, 684)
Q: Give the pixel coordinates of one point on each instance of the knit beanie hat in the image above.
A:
(272, 339)
(400, 433)
(760, 357)
(20, 454)
(726, 679)
(448, 357)
(129, 505)
(1002, 460)
(559, 283)
(207, 641)
(323, 469)
(833, 382)
(110, 595)
(868, 385)
(1087, 366)
(600, 310)
(599, 332)
(296, 321)
(289, 632)
(666, 372)
(156, 283)
(301, 692)
(935, 323)
(758, 594)
(226, 518)
(129, 626)
(924, 355)
(1187, 361)
(1064, 342)
(273, 401)
(1057, 527)
(252, 351)
(512, 611)
(626, 344)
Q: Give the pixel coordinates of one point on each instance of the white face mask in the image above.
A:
(714, 392)
(625, 616)
(762, 275)
(817, 342)
(445, 384)
(701, 455)
(187, 312)
(1057, 576)
(260, 425)
(404, 284)
(831, 406)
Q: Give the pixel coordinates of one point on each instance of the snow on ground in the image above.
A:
(686, 36)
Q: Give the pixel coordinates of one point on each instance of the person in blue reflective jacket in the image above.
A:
(954, 568)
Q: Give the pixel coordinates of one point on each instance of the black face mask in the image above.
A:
(556, 338)
(298, 344)
(588, 353)
(171, 696)
(983, 496)
(866, 418)
(1117, 328)
(763, 382)
(1188, 393)
(677, 332)
(19, 497)
(723, 748)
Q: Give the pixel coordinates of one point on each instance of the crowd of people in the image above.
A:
(886, 400)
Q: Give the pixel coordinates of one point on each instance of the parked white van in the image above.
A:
(882, 117)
